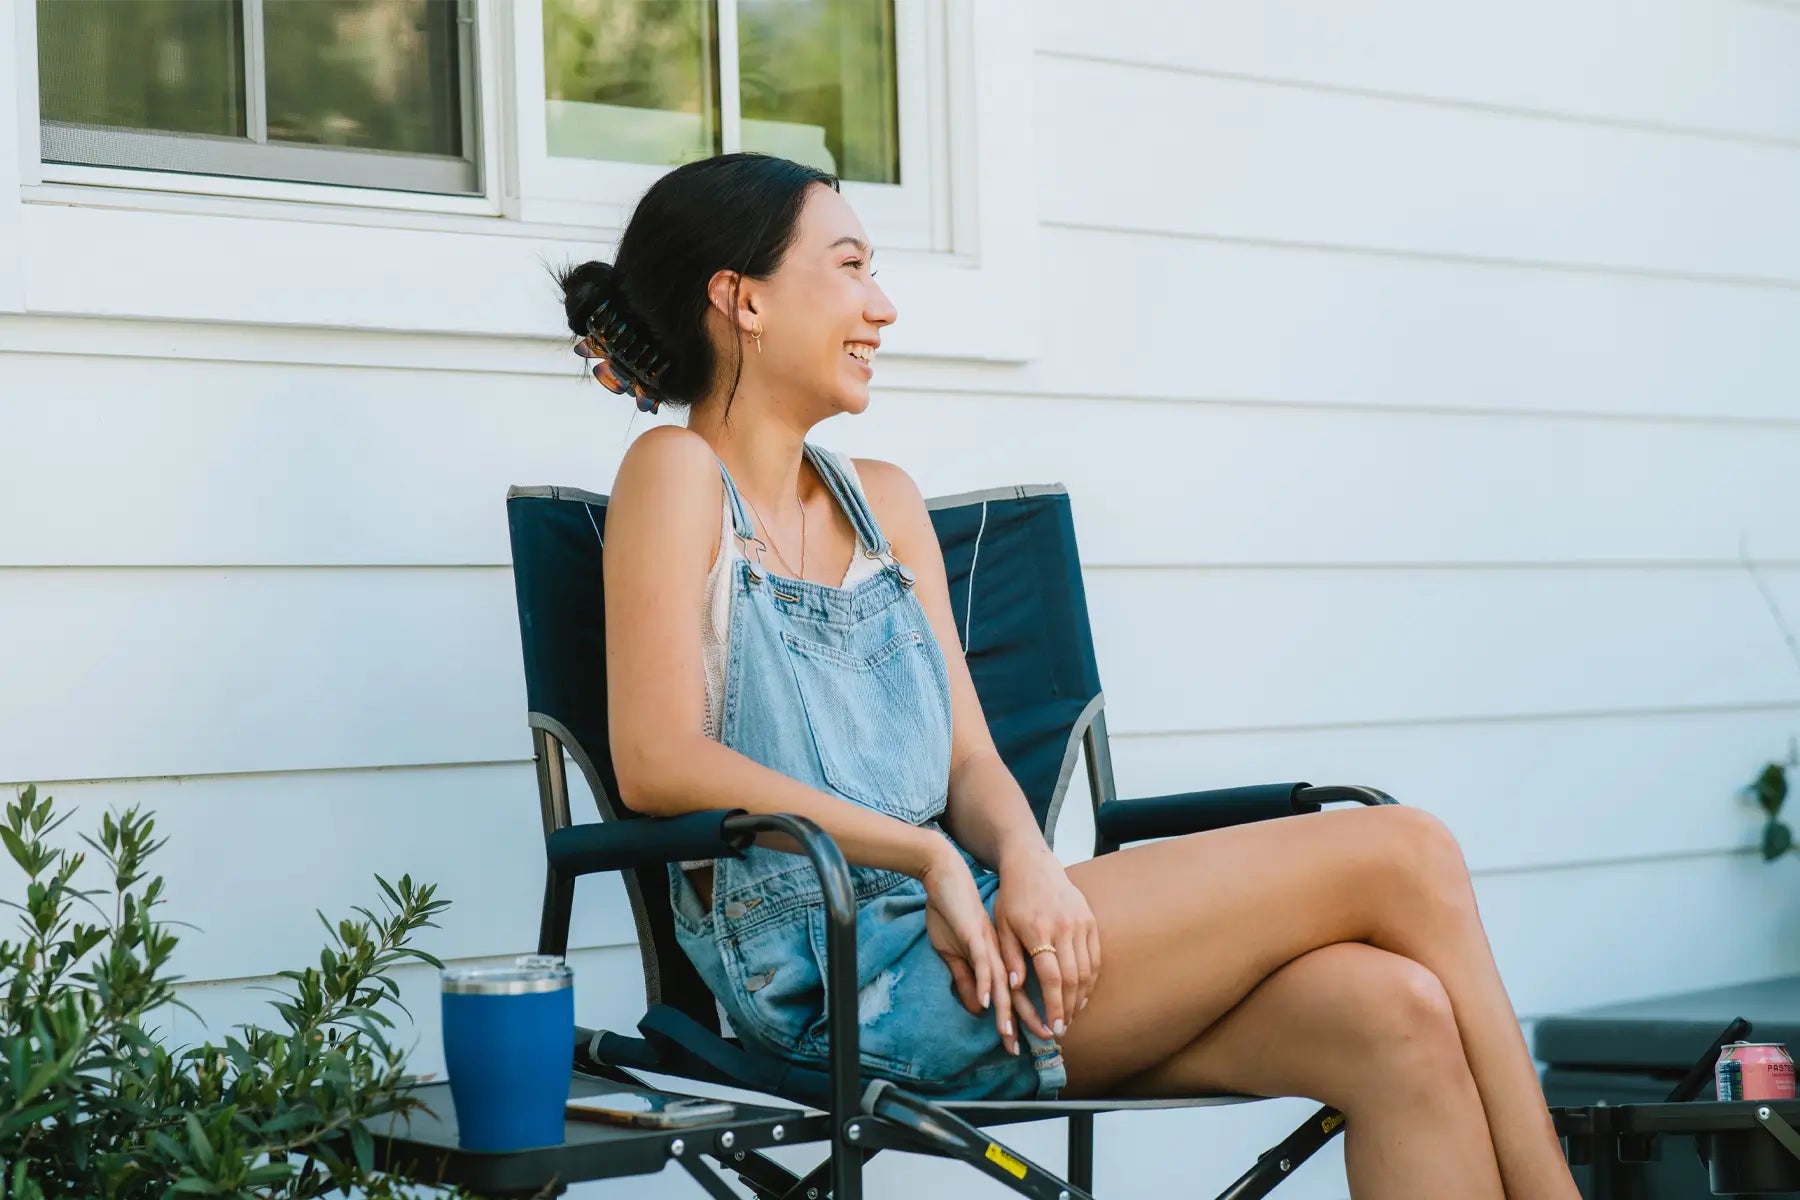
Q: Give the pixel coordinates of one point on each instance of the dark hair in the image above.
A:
(731, 212)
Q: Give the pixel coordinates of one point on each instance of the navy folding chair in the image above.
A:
(1021, 610)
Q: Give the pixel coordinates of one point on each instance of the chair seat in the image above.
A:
(675, 1044)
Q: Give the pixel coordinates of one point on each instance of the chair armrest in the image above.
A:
(845, 1058)
(1125, 821)
(643, 841)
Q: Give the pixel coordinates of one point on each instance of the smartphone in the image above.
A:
(649, 1112)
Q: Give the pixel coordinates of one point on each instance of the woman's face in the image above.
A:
(821, 313)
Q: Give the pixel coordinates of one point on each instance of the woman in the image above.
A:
(780, 639)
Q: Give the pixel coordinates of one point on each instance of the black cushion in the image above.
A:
(1669, 1032)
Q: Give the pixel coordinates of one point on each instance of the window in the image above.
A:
(641, 82)
(365, 93)
(410, 165)
(630, 88)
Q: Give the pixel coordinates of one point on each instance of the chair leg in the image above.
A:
(817, 1185)
(1081, 1151)
(559, 904)
(1277, 1164)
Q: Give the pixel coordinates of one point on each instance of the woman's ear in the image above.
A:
(734, 298)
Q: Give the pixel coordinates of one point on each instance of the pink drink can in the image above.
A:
(1754, 1071)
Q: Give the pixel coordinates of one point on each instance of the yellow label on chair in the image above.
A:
(1330, 1123)
(1008, 1163)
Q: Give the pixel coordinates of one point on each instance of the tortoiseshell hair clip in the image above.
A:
(624, 363)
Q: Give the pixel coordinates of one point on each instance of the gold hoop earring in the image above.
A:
(758, 336)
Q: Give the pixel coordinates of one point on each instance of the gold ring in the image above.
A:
(1043, 950)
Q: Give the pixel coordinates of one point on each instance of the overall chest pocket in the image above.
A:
(880, 721)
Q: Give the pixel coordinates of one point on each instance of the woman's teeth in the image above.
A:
(860, 351)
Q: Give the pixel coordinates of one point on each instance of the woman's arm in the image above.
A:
(662, 533)
(1038, 908)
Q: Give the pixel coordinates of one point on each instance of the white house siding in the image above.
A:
(1417, 369)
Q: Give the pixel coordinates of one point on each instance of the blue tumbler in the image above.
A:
(508, 1038)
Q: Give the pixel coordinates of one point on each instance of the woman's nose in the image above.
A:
(881, 310)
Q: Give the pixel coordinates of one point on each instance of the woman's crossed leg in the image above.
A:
(1338, 956)
(1371, 1034)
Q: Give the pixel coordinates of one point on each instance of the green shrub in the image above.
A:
(93, 1104)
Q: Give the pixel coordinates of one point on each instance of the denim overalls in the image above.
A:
(845, 690)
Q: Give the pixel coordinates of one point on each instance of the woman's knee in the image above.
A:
(1423, 863)
(1403, 1027)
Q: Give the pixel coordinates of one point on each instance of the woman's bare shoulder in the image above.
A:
(668, 485)
(898, 504)
(887, 479)
(668, 449)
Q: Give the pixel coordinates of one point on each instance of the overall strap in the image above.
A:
(850, 499)
(740, 516)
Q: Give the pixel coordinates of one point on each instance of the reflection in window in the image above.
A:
(175, 66)
(358, 93)
(817, 81)
(638, 81)
(631, 80)
(374, 74)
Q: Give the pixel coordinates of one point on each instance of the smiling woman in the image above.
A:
(769, 605)
(670, 319)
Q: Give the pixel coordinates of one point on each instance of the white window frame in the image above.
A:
(132, 245)
(911, 215)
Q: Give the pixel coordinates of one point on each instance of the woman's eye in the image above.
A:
(854, 262)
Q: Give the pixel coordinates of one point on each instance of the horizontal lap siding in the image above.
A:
(287, 464)
(1185, 650)
(1723, 69)
(1295, 166)
(1320, 326)
(212, 670)
(1426, 286)
(1184, 485)
(1553, 791)
(250, 857)
(349, 466)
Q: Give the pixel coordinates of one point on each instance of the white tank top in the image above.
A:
(715, 610)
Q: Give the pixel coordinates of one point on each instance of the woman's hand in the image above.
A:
(1038, 906)
(956, 922)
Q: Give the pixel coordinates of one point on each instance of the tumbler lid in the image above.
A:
(528, 973)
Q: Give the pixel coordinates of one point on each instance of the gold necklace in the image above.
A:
(778, 554)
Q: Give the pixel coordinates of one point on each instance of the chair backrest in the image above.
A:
(1021, 611)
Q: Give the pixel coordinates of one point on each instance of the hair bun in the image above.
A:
(597, 310)
(585, 288)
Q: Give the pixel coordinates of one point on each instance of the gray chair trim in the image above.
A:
(608, 806)
(1021, 491)
(1076, 734)
(1016, 492)
(565, 741)
(553, 491)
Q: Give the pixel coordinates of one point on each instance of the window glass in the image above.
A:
(817, 81)
(374, 74)
(631, 80)
(356, 93)
(167, 65)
